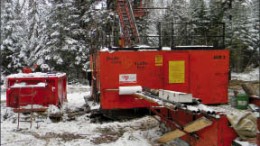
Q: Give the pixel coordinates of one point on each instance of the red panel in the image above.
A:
(209, 75)
(141, 64)
(54, 93)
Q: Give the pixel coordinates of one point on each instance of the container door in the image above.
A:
(176, 71)
(209, 75)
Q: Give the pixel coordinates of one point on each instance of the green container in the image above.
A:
(242, 101)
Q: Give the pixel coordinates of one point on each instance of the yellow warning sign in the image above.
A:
(176, 71)
(158, 60)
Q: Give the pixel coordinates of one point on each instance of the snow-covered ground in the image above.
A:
(81, 131)
(248, 76)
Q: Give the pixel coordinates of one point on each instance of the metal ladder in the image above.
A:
(127, 21)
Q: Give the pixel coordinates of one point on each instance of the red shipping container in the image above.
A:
(203, 73)
(36, 88)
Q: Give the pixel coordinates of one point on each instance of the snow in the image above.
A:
(70, 41)
(24, 85)
(8, 42)
(55, 34)
(100, 5)
(244, 143)
(35, 75)
(192, 108)
(246, 76)
(59, 61)
(205, 108)
(53, 109)
(3, 96)
(195, 46)
(142, 46)
(81, 131)
(166, 48)
(32, 106)
(104, 49)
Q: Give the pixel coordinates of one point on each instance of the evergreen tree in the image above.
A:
(12, 35)
(196, 31)
(180, 11)
(31, 38)
(254, 35)
(173, 21)
(239, 40)
(41, 29)
(63, 43)
(198, 10)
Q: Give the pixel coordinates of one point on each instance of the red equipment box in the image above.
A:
(203, 73)
(36, 88)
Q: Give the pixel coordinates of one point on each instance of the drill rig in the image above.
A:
(175, 79)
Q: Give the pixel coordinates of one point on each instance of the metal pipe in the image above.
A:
(150, 8)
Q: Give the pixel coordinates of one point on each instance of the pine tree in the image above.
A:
(198, 10)
(180, 11)
(239, 40)
(62, 44)
(33, 20)
(40, 34)
(12, 35)
(254, 35)
(173, 21)
(196, 31)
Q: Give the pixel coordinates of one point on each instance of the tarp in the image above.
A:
(244, 124)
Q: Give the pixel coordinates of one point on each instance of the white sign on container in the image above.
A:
(127, 78)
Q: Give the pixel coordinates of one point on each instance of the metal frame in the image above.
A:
(192, 35)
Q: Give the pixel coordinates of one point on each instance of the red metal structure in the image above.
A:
(127, 20)
(139, 12)
(205, 75)
(36, 88)
(27, 70)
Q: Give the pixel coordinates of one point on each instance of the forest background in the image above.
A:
(61, 33)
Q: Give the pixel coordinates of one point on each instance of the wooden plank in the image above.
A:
(189, 128)
(171, 136)
(197, 125)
